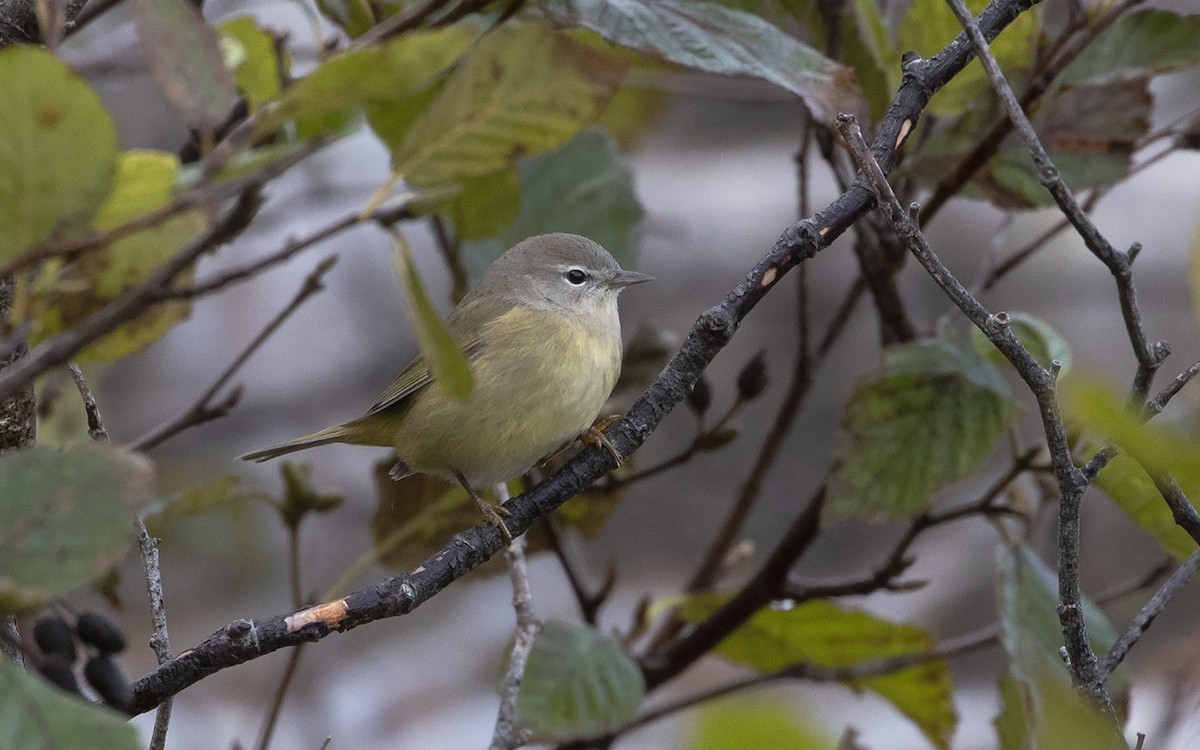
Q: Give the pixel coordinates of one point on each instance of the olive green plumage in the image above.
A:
(543, 341)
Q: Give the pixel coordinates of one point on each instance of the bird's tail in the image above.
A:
(338, 434)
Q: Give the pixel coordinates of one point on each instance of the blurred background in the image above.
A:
(717, 178)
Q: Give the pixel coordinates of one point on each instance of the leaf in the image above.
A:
(145, 180)
(930, 419)
(1098, 410)
(36, 716)
(380, 73)
(716, 39)
(1090, 133)
(185, 59)
(257, 75)
(520, 90)
(486, 205)
(1134, 492)
(1140, 44)
(196, 501)
(929, 25)
(58, 153)
(740, 723)
(577, 684)
(1035, 334)
(1012, 729)
(1030, 627)
(822, 634)
(1063, 718)
(583, 188)
(441, 353)
(354, 16)
(65, 518)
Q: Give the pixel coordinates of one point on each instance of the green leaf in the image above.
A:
(65, 518)
(354, 16)
(379, 73)
(577, 684)
(1090, 132)
(58, 153)
(741, 723)
(716, 39)
(185, 59)
(929, 25)
(196, 501)
(1063, 718)
(1012, 729)
(1132, 489)
(1030, 627)
(1035, 334)
(583, 188)
(37, 716)
(145, 180)
(1101, 413)
(1140, 44)
(823, 634)
(520, 90)
(930, 419)
(257, 75)
(444, 357)
(486, 204)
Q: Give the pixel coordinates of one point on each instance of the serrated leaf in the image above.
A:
(1143, 43)
(65, 518)
(583, 188)
(929, 25)
(185, 59)
(521, 90)
(1134, 492)
(823, 634)
(377, 74)
(442, 355)
(577, 684)
(145, 181)
(716, 39)
(741, 723)
(930, 419)
(1030, 627)
(36, 716)
(1035, 334)
(58, 153)
(1102, 414)
(257, 73)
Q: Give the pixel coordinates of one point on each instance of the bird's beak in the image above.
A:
(623, 278)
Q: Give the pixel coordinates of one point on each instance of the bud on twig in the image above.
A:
(701, 395)
(752, 380)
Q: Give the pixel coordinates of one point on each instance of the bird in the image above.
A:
(542, 338)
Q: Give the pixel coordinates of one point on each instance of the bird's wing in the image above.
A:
(465, 323)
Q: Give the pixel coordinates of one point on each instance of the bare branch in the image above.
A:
(507, 735)
(1141, 623)
(1041, 382)
(204, 409)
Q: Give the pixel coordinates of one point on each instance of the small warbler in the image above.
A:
(543, 341)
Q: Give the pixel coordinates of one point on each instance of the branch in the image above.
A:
(1042, 383)
(243, 640)
(1141, 623)
(508, 736)
(204, 410)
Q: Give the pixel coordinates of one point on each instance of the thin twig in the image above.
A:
(1041, 382)
(96, 429)
(204, 409)
(160, 639)
(508, 736)
(1152, 609)
(289, 671)
(589, 601)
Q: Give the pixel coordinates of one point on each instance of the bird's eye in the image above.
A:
(576, 276)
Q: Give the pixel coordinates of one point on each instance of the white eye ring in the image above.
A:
(576, 276)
